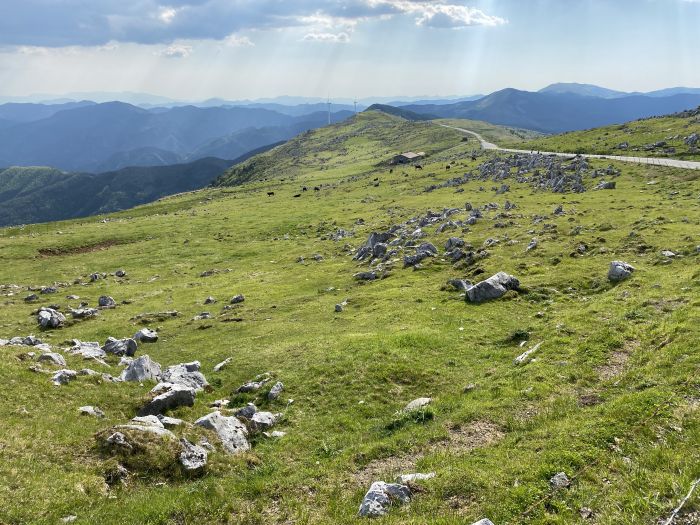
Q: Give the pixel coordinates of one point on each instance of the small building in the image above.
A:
(407, 158)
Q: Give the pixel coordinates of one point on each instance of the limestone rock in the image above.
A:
(105, 301)
(50, 318)
(232, 433)
(381, 496)
(141, 369)
(87, 350)
(275, 391)
(120, 347)
(52, 358)
(492, 288)
(63, 377)
(619, 271)
(91, 411)
(169, 396)
(185, 374)
(193, 458)
(146, 335)
(222, 364)
(407, 478)
(417, 404)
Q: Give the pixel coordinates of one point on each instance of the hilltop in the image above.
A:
(568, 399)
(360, 144)
(673, 136)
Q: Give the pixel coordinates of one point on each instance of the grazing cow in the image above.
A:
(391, 170)
(304, 188)
(419, 167)
(297, 195)
(270, 193)
(473, 157)
(316, 188)
(447, 167)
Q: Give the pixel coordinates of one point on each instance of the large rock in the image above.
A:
(185, 374)
(105, 301)
(232, 433)
(145, 335)
(120, 347)
(50, 318)
(84, 313)
(492, 288)
(87, 350)
(261, 421)
(381, 496)
(63, 377)
(168, 396)
(193, 458)
(141, 369)
(52, 358)
(485, 521)
(619, 271)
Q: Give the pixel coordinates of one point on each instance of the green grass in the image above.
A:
(631, 455)
(605, 141)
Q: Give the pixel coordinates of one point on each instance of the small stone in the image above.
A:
(406, 478)
(222, 364)
(417, 404)
(275, 391)
(91, 411)
(209, 300)
(120, 273)
(560, 481)
(237, 299)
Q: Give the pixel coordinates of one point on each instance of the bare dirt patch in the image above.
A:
(618, 360)
(85, 248)
(461, 438)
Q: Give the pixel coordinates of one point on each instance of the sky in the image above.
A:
(248, 49)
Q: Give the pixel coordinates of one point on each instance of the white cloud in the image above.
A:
(333, 38)
(238, 41)
(175, 51)
(167, 14)
(442, 15)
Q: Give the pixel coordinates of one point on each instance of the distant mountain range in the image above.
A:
(556, 110)
(91, 137)
(590, 90)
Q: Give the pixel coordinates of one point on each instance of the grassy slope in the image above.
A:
(631, 456)
(492, 132)
(638, 133)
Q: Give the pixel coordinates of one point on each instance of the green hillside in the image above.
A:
(41, 194)
(610, 397)
(664, 137)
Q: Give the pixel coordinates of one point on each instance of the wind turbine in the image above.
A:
(355, 102)
(329, 110)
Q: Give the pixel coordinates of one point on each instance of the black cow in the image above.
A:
(297, 195)
(270, 193)
(419, 167)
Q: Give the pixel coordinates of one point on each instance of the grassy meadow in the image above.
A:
(612, 398)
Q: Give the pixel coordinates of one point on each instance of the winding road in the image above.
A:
(671, 163)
